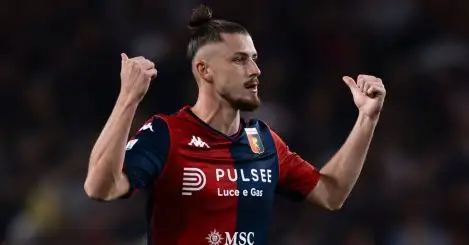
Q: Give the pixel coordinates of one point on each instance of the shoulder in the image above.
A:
(164, 121)
(154, 124)
(170, 127)
(153, 133)
(177, 118)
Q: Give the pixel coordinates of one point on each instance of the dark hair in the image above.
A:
(206, 30)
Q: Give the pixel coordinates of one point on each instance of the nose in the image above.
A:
(254, 70)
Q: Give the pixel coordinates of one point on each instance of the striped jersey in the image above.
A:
(208, 188)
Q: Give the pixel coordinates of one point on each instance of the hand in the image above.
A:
(368, 94)
(136, 75)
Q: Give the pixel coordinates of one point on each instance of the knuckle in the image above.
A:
(136, 59)
(365, 76)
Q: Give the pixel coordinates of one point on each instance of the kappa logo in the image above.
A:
(193, 179)
(147, 126)
(198, 142)
(131, 144)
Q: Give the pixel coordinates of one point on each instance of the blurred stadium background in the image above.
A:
(59, 76)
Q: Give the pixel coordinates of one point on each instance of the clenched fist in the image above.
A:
(368, 93)
(136, 75)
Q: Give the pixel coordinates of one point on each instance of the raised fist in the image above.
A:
(368, 93)
(136, 75)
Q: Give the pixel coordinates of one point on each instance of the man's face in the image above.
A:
(235, 72)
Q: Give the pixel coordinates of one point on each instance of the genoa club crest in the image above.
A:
(254, 140)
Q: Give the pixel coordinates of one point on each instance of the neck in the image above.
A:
(218, 114)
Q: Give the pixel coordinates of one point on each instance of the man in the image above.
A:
(211, 176)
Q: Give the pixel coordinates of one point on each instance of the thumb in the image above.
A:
(350, 83)
(124, 57)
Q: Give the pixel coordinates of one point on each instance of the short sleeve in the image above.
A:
(297, 177)
(146, 154)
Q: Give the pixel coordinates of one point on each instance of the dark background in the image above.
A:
(59, 78)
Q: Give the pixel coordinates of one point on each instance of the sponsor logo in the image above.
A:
(236, 238)
(214, 238)
(193, 179)
(251, 175)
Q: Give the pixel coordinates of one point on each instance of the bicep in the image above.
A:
(321, 193)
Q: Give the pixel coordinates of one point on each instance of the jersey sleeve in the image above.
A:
(146, 154)
(297, 177)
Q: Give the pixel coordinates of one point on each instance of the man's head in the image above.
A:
(224, 60)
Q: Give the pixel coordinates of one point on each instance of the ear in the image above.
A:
(204, 70)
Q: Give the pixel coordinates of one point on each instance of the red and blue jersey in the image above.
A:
(207, 188)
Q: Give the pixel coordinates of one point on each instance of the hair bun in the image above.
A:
(200, 16)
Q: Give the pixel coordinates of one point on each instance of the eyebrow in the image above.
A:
(254, 55)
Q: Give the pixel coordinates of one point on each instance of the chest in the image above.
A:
(216, 176)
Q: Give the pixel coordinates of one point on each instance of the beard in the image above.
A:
(244, 104)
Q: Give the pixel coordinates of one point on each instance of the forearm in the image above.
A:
(342, 171)
(107, 156)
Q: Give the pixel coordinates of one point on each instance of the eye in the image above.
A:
(239, 59)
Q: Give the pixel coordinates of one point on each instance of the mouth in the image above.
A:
(252, 86)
